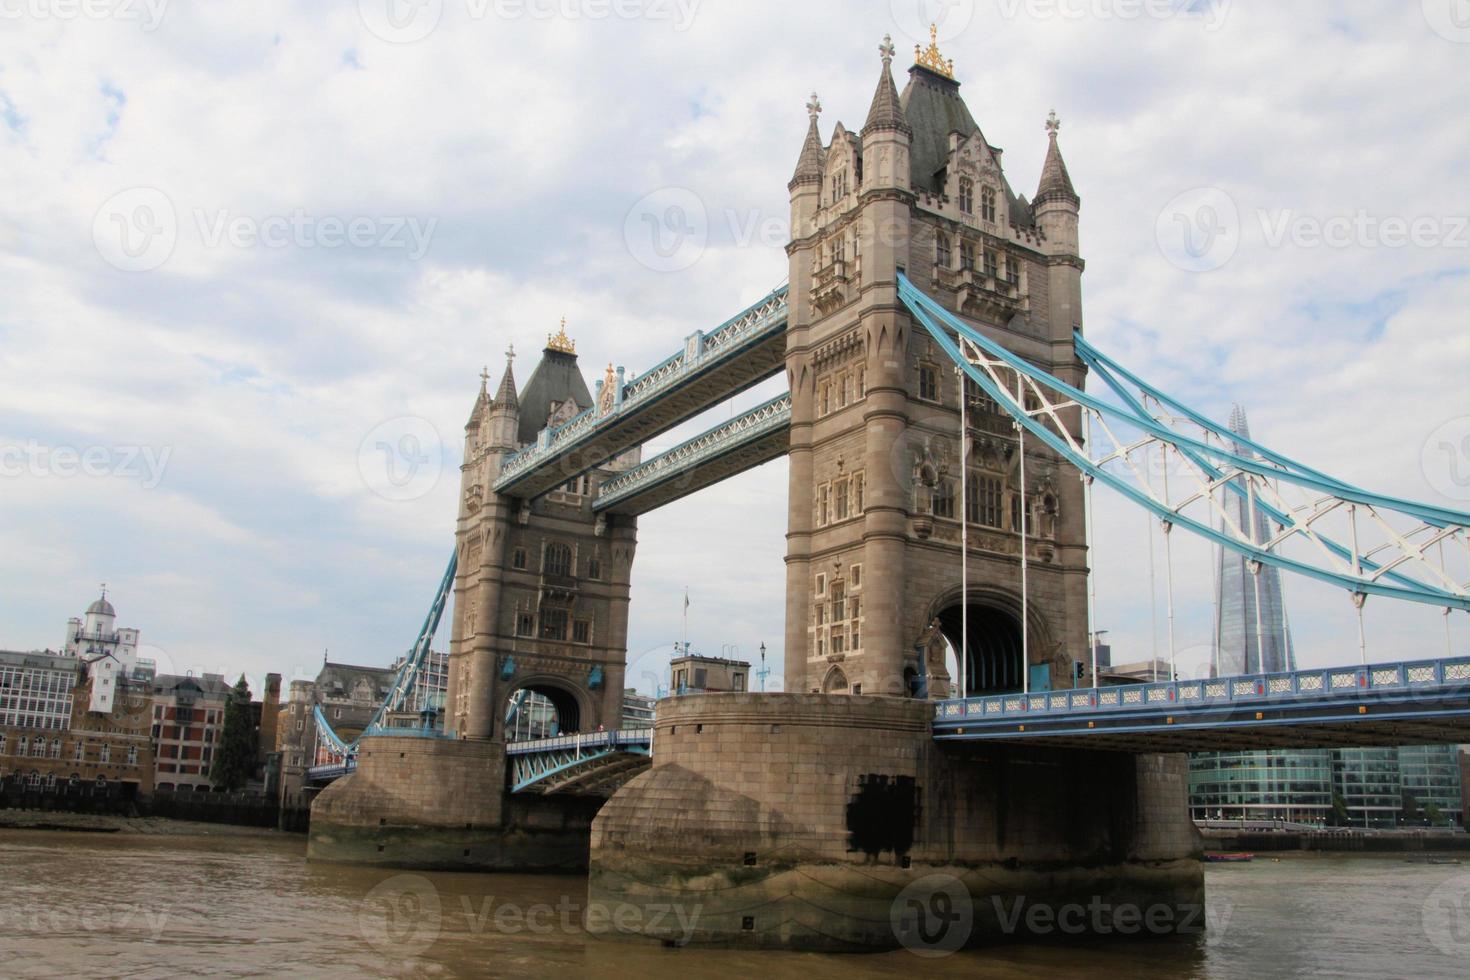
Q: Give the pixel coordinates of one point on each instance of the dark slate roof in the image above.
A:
(102, 607)
(1055, 181)
(886, 111)
(206, 684)
(555, 379)
(813, 159)
(933, 107)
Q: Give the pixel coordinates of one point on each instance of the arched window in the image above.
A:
(987, 204)
(967, 195)
(558, 560)
(835, 683)
(942, 251)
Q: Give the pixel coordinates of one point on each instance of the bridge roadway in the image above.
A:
(1416, 703)
(742, 352)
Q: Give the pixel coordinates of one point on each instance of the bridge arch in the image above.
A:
(570, 707)
(995, 647)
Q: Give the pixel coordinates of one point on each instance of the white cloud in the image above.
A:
(526, 142)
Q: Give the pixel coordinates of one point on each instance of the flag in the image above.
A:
(686, 600)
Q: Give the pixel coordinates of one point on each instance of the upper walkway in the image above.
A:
(713, 367)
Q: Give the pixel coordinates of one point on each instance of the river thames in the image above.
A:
(124, 905)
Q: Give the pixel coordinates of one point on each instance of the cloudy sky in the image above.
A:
(242, 246)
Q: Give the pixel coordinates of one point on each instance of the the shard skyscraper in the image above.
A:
(1247, 642)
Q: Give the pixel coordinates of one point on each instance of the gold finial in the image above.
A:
(561, 342)
(931, 58)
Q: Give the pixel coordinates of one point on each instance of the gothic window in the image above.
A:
(594, 569)
(836, 682)
(518, 559)
(984, 500)
(967, 255)
(839, 500)
(822, 504)
(582, 631)
(944, 499)
(1013, 271)
(839, 602)
(844, 390)
(857, 493)
(967, 195)
(992, 269)
(554, 624)
(987, 204)
(558, 560)
(928, 383)
(825, 407)
(525, 625)
(821, 584)
(860, 381)
(942, 251)
(856, 576)
(979, 400)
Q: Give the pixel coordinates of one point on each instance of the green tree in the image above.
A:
(1411, 813)
(234, 758)
(1434, 814)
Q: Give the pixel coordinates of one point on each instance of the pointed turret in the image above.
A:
(1056, 183)
(483, 404)
(886, 112)
(505, 411)
(813, 160)
(886, 134)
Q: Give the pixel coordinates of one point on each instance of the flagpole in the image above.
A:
(686, 619)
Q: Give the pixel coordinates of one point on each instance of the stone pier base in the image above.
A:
(837, 823)
(440, 804)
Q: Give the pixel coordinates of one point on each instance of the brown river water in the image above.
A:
(124, 905)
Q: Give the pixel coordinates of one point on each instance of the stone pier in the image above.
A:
(835, 822)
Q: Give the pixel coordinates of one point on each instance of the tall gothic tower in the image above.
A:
(541, 590)
(873, 552)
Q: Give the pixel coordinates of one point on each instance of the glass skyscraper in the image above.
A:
(1378, 787)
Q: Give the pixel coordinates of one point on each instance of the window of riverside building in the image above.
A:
(942, 250)
(1013, 271)
(944, 499)
(967, 255)
(987, 204)
(967, 195)
(857, 492)
(525, 624)
(839, 501)
(594, 569)
(518, 559)
(991, 268)
(582, 631)
(822, 497)
(860, 382)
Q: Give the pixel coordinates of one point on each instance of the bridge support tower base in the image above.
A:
(836, 822)
(441, 804)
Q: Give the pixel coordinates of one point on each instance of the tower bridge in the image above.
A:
(943, 448)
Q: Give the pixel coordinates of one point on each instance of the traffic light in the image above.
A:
(1079, 669)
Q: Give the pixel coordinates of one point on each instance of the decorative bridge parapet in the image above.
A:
(758, 436)
(746, 349)
(1419, 702)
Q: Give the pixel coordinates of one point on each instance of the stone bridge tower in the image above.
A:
(541, 592)
(873, 565)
